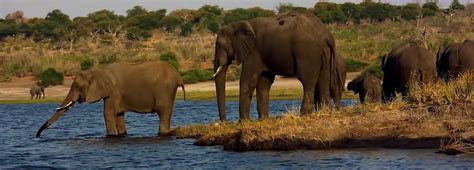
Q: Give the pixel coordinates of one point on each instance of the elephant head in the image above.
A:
(89, 86)
(234, 42)
(356, 85)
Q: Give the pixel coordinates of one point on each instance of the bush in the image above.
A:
(375, 70)
(355, 65)
(87, 64)
(196, 75)
(170, 58)
(51, 77)
(186, 29)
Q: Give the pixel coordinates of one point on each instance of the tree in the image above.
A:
(456, 5)
(186, 29)
(240, 14)
(430, 9)
(352, 11)
(286, 7)
(170, 23)
(410, 11)
(135, 11)
(17, 16)
(329, 12)
(213, 26)
(58, 17)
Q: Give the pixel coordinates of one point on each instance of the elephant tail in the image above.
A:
(184, 91)
(332, 62)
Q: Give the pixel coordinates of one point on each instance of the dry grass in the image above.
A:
(400, 124)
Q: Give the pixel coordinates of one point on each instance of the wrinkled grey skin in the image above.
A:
(404, 66)
(142, 88)
(290, 44)
(455, 59)
(337, 86)
(36, 92)
(368, 87)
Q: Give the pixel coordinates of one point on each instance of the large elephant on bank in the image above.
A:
(143, 88)
(290, 44)
(404, 66)
(455, 59)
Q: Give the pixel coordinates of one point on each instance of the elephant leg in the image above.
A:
(263, 94)
(165, 109)
(121, 128)
(248, 83)
(309, 87)
(110, 117)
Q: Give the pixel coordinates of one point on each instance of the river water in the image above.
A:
(77, 140)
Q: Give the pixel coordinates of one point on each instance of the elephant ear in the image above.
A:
(100, 86)
(384, 60)
(244, 39)
(440, 53)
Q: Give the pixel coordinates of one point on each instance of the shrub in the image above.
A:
(196, 75)
(186, 29)
(170, 58)
(87, 64)
(51, 77)
(375, 70)
(355, 65)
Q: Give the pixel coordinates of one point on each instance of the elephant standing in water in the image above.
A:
(455, 59)
(143, 88)
(291, 44)
(36, 92)
(368, 87)
(404, 66)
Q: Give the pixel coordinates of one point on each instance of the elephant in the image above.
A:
(368, 87)
(337, 89)
(455, 59)
(142, 88)
(404, 66)
(290, 44)
(36, 92)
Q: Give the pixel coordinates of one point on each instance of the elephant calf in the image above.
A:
(368, 87)
(36, 92)
(143, 88)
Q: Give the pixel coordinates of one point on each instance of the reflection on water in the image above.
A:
(77, 140)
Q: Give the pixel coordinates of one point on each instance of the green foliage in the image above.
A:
(355, 65)
(196, 75)
(375, 70)
(186, 29)
(430, 9)
(286, 7)
(170, 58)
(352, 11)
(329, 12)
(87, 64)
(18, 69)
(410, 11)
(170, 23)
(51, 77)
(58, 16)
(456, 5)
(446, 41)
(213, 26)
(241, 14)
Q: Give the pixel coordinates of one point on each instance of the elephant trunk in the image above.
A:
(220, 73)
(67, 103)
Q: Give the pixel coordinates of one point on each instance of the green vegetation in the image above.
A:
(170, 58)
(87, 64)
(355, 65)
(51, 77)
(196, 75)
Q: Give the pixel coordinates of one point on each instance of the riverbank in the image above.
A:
(17, 91)
(430, 117)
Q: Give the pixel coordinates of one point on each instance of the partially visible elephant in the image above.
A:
(142, 88)
(36, 92)
(337, 87)
(290, 44)
(368, 87)
(455, 59)
(404, 66)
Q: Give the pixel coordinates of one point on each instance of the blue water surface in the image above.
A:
(77, 140)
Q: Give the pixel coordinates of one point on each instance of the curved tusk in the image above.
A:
(65, 107)
(217, 71)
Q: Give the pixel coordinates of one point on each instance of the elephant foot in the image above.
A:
(166, 133)
(114, 136)
(122, 134)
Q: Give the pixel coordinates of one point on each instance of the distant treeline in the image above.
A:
(139, 23)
